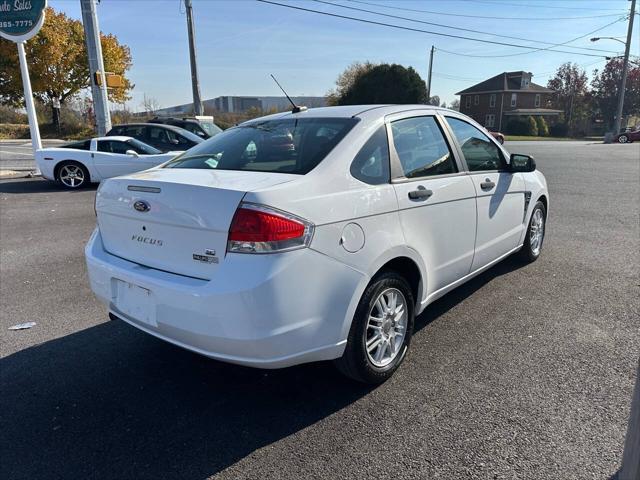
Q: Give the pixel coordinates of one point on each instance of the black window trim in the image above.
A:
(397, 172)
(459, 149)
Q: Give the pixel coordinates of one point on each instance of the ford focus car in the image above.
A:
(250, 253)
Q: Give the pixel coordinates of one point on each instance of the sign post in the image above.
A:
(19, 21)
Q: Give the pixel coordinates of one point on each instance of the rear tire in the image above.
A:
(381, 330)
(73, 175)
(532, 247)
(623, 139)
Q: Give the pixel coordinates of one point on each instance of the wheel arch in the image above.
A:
(406, 262)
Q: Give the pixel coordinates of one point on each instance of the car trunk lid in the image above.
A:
(176, 220)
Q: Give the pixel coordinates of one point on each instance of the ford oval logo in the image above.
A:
(141, 206)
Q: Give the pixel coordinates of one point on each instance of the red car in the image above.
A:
(628, 137)
(498, 136)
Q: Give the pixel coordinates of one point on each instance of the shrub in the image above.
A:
(532, 127)
(517, 126)
(559, 130)
(543, 129)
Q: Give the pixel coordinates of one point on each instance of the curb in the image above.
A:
(9, 174)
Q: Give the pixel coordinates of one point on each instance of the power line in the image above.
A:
(417, 10)
(540, 6)
(399, 27)
(537, 49)
(454, 28)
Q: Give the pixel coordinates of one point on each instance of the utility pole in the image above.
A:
(625, 69)
(96, 64)
(433, 49)
(195, 83)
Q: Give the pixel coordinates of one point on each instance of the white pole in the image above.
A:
(28, 99)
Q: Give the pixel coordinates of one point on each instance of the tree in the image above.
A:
(385, 83)
(571, 86)
(150, 104)
(606, 85)
(435, 101)
(346, 80)
(532, 128)
(58, 64)
(455, 105)
(543, 128)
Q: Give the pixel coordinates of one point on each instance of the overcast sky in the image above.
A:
(240, 42)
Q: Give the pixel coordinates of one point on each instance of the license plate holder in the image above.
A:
(136, 302)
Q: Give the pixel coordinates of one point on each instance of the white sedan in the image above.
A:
(77, 164)
(317, 235)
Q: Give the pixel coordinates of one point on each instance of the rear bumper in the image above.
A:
(267, 311)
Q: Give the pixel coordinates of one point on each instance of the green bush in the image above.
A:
(559, 130)
(532, 128)
(517, 126)
(543, 129)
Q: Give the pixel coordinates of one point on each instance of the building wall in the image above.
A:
(480, 111)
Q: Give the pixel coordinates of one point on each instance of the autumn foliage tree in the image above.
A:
(606, 87)
(58, 64)
(571, 87)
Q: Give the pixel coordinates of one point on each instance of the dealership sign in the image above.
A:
(21, 19)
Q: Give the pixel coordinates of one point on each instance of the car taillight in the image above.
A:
(260, 229)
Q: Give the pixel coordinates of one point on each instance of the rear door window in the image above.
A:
(421, 148)
(289, 146)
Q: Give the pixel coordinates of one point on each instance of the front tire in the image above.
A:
(623, 139)
(381, 330)
(535, 234)
(73, 175)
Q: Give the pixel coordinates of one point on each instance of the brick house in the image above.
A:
(510, 94)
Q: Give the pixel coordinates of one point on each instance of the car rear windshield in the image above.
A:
(284, 145)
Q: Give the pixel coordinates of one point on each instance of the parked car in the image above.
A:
(201, 126)
(498, 136)
(90, 161)
(324, 253)
(628, 136)
(163, 137)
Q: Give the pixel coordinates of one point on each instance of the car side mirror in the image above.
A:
(521, 163)
(132, 153)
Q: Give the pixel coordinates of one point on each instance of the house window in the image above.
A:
(537, 101)
(476, 99)
(492, 100)
(468, 101)
(490, 120)
(514, 98)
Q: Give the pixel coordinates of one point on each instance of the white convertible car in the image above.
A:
(77, 164)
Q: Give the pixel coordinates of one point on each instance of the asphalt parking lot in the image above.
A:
(526, 372)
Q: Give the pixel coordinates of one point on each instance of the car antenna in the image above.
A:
(296, 108)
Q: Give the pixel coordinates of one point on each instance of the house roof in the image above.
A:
(505, 82)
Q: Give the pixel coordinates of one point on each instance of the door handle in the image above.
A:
(420, 194)
(487, 184)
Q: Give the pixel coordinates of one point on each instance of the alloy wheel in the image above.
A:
(72, 176)
(386, 327)
(536, 234)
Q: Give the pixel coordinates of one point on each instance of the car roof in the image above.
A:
(143, 124)
(350, 111)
